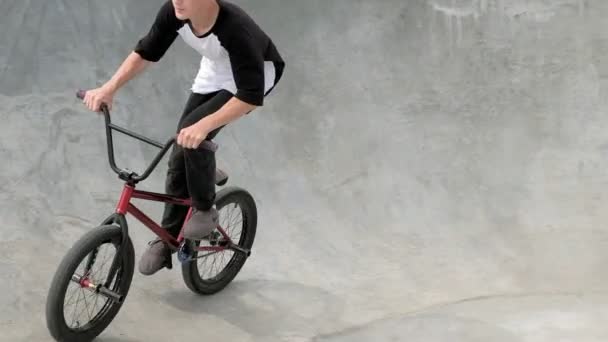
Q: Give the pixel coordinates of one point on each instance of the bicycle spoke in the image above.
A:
(230, 212)
(214, 265)
(79, 315)
(95, 305)
(86, 305)
(223, 256)
(74, 291)
(235, 224)
(72, 315)
(73, 301)
(231, 221)
(74, 312)
(204, 268)
(94, 274)
(236, 238)
(90, 312)
(90, 300)
(206, 255)
(230, 232)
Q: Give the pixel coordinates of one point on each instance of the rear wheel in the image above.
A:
(209, 272)
(75, 312)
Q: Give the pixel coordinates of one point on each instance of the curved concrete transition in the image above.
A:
(428, 170)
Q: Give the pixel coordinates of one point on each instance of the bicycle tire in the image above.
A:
(190, 269)
(56, 321)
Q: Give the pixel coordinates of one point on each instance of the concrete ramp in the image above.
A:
(428, 170)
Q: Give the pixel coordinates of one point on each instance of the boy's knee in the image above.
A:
(208, 145)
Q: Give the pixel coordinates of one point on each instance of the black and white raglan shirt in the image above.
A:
(237, 55)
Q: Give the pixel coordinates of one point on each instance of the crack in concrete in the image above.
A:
(437, 306)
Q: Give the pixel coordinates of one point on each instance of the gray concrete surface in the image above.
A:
(429, 170)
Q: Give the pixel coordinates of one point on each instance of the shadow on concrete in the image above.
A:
(265, 307)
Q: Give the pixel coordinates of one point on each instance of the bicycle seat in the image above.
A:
(221, 177)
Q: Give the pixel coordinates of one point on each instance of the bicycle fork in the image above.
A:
(85, 282)
(104, 289)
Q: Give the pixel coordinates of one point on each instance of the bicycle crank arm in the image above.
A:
(239, 249)
(87, 284)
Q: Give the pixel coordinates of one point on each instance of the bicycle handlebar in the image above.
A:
(110, 126)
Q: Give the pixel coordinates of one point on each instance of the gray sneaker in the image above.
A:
(157, 256)
(201, 224)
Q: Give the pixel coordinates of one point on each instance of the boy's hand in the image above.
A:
(95, 97)
(193, 136)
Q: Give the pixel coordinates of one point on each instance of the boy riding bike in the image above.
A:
(240, 65)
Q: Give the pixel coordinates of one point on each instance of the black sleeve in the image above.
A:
(162, 34)
(247, 61)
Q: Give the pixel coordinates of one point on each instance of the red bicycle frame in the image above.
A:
(126, 207)
(129, 192)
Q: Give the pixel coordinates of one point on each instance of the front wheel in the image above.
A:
(74, 310)
(207, 273)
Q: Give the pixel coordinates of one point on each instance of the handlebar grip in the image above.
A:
(81, 94)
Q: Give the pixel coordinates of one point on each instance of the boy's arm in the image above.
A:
(193, 136)
(232, 110)
(131, 67)
(150, 48)
(247, 62)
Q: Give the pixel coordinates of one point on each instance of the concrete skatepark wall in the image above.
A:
(428, 170)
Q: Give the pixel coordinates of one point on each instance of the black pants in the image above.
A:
(191, 172)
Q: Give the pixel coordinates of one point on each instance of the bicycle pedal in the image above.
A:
(185, 252)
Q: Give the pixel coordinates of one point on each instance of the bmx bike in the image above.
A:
(78, 279)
